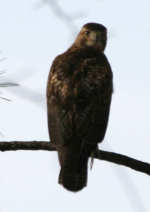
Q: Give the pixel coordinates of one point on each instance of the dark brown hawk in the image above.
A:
(79, 94)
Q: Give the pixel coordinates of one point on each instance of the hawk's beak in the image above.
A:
(92, 39)
(92, 36)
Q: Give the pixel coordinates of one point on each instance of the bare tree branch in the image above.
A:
(123, 160)
(6, 99)
(67, 19)
(24, 145)
(99, 154)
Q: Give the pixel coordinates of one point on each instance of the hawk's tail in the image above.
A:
(73, 173)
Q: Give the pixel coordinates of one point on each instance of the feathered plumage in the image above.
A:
(79, 94)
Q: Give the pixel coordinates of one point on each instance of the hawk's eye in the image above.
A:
(86, 32)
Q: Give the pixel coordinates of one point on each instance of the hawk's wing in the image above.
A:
(79, 103)
(93, 100)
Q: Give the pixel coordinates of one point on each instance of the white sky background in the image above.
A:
(30, 37)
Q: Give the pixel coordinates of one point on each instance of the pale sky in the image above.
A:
(32, 35)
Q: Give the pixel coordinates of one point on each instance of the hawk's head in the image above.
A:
(93, 35)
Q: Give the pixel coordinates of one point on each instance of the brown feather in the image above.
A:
(79, 94)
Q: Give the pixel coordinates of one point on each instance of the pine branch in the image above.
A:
(99, 154)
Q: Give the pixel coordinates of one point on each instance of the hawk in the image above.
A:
(79, 92)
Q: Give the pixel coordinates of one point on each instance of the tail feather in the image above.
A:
(73, 173)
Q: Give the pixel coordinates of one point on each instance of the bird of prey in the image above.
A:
(79, 92)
